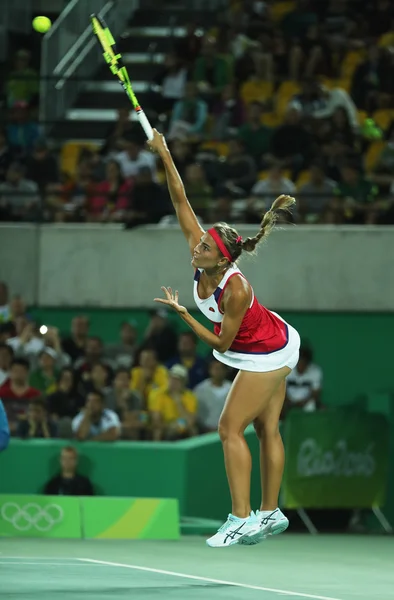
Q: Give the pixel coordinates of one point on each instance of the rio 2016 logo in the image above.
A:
(32, 516)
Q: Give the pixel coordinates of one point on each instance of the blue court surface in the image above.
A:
(293, 566)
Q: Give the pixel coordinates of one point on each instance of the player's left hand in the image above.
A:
(171, 299)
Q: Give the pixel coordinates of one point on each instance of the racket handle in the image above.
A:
(146, 126)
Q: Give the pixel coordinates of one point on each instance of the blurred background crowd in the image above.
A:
(276, 97)
(155, 386)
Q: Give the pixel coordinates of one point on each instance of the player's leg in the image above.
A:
(248, 397)
(4, 428)
(272, 461)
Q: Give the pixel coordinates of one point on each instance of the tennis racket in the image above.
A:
(114, 60)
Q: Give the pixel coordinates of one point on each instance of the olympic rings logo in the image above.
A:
(32, 516)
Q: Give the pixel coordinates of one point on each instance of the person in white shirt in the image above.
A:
(304, 384)
(95, 422)
(211, 395)
(134, 158)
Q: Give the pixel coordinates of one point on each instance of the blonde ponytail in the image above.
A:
(283, 203)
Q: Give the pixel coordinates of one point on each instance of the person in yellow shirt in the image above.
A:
(149, 376)
(173, 410)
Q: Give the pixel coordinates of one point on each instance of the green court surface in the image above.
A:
(314, 567)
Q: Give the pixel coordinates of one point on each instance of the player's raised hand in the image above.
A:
(171, 299)
(158, 144)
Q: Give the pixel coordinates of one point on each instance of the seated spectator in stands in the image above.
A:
(69, 199)
(94, 354)
(315, 195)
(355, 199)
(68, 482)
(28, 342)
(99, 381)
(45, 376)
(22, 83)
(6, 358)
(5, 313)
(122, 128)
(182, 155)
(169, 83)
(369, 79)
(211, 395)
(335, 153)
(161, 336)
(52, 340)
(42, 167)
(383, 170)
(95, 422)
(255, 136)
(4, 429)
(65, 402)
(308, 53)
(198, 191)
(122, 353)
(173, 409)
(16, 393)
(19, 198)
(228, 113)
(6, 157)
(22, 132)
(111, 198)
(189, 116)
(148, 202)
(317, 102)
(148, 376)
(291, 143)
(238, 171)
(211, 72)
(304, 384)
(74, 345)
(128, 406)
(7, 331)
(187, 356)
(37, 423)
(188, 47)
(134, 158)
(274, 185)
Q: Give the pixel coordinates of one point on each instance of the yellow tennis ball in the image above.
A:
(42, 24)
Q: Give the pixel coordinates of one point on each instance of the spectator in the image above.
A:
(37, 424)
(44, 378)
(68, 200)
(238, 171)
(304, 384)
(22, 132)
(122, 353)
(161, 336)
(198, 191)
(148, 202)
(122, 128)
(22, 83)
(17, 307)
(74, 345)
(52, 340)
(134, 158)
(6, 157)
(68, 482)
(16, 392)
(7, 331)
(127, 404)
(255, 136)
(65, 402)
(173, 409)
(112, 196)
(383, 170)
(211, 71)
(6, 358)
(4, 429)
(95, 422)
(5, 314)
(42, 166)
(211, 395)
(99, 381)
(18, 196)
(182, 155)
(94, 354)
(274, 185)
(28, 342)
(189, 116)
(355, 199)
(187, 356)
(291, 143)
(315, 195)
(169, 83)
(228, 113)
(149, 375)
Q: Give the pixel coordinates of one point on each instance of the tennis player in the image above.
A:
(247, 337)
(4, 429)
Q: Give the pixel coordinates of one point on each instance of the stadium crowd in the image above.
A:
(158, 387)
(289, 97)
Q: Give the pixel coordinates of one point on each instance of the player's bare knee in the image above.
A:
(258, 427)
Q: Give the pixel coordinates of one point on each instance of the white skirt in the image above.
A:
(262, 363)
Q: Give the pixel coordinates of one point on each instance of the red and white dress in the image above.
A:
(264, 342)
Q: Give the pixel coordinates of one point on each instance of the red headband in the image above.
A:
(213, 233)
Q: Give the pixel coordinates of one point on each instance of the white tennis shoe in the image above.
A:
(234, 530)
(270, 523)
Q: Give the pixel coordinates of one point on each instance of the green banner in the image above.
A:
(40, 516)
(130, 518)
(335, 459)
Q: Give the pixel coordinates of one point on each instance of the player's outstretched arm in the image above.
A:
(184, 212)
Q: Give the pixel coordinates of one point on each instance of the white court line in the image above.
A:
(43, 564)
(197, 578)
